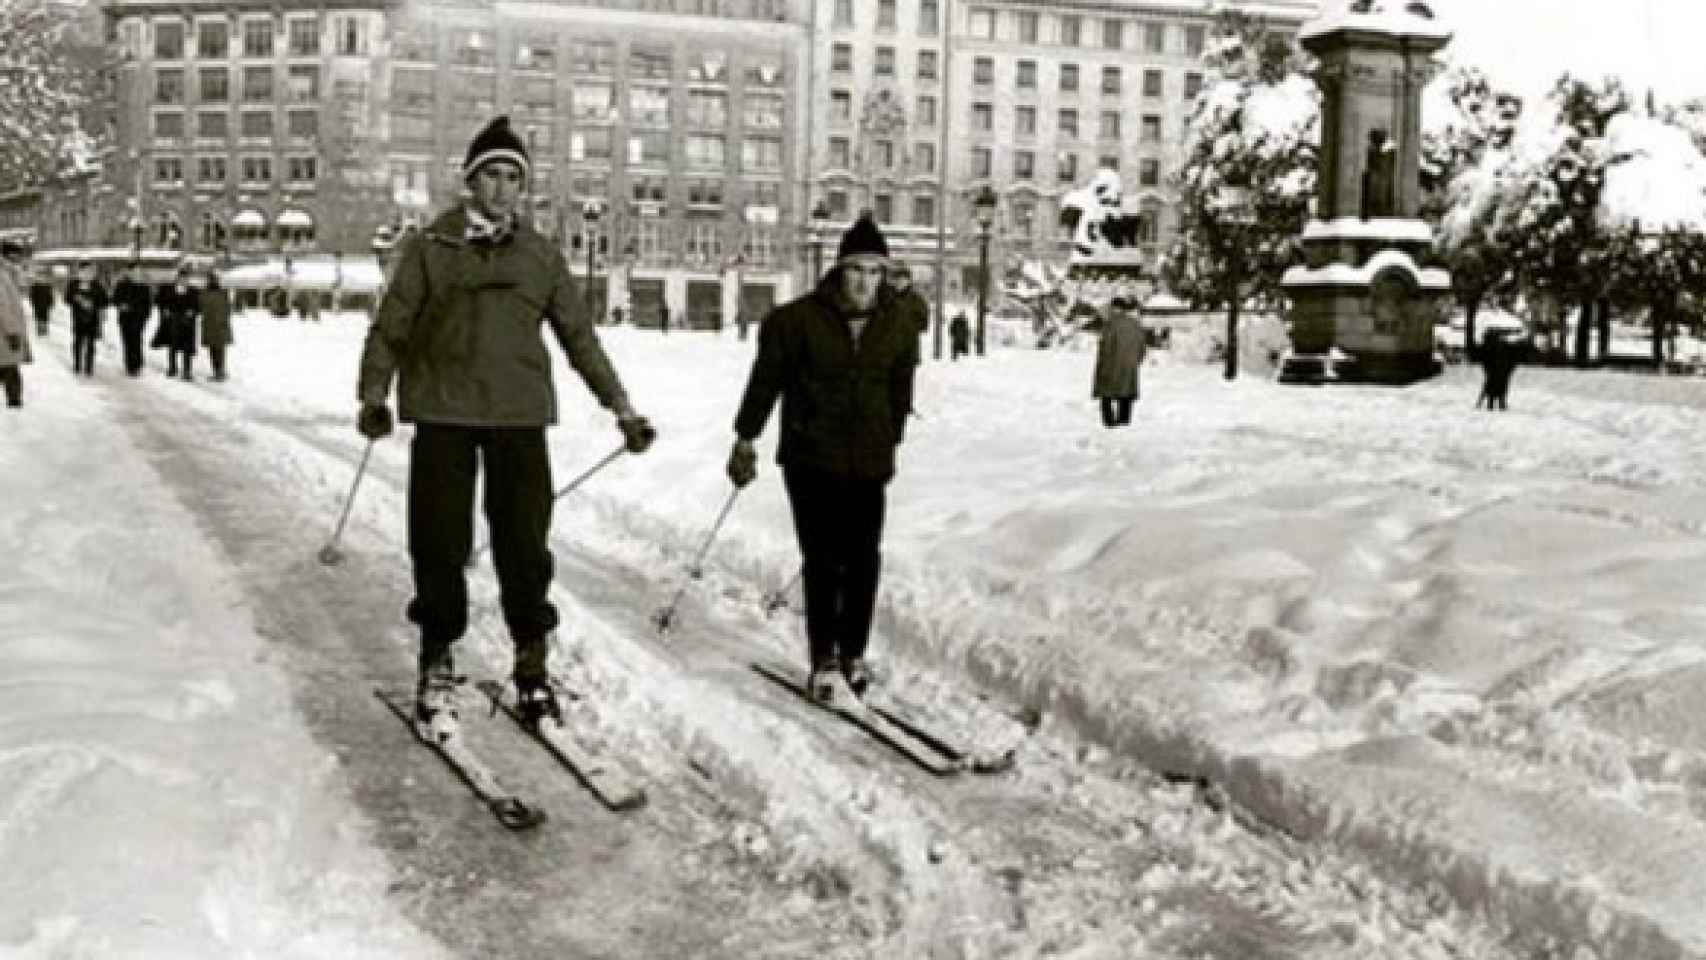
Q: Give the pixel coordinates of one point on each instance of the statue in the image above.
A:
(1378, 176)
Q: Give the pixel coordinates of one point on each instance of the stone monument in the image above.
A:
(1364, 301)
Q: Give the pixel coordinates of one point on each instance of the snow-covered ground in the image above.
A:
(1462, 646)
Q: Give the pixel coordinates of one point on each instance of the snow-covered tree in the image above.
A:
(48, 79)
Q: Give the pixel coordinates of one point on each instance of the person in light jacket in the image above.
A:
(14, 328)
(1119, 354)
(216, 323)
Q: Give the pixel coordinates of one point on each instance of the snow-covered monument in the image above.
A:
(1364, 301)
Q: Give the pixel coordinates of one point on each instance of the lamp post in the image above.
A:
(136, 228)
(589, 218)
(983, 207)
(820, 223)
(1236, 214)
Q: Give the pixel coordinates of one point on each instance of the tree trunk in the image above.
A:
(1604, 319)
(1661, 312)
(1471, 348)
(1584, 327)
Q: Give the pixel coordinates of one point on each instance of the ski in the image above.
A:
(896, 714)
(869, 720)
(510, 809)
(606, 780)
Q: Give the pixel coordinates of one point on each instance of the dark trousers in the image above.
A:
(13, 379)
(130, 331)
(41, 319)
(216, 353)
(442, 468)
(1116, 411)
(83, 349)
(172, 355)
(839, 523)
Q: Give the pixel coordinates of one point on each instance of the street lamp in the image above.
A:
(820, 224)
(1236, 212)
(589, 218)
(983, 207)
(136, 228)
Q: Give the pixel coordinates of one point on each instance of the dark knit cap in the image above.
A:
(496, 142)
(863, 238)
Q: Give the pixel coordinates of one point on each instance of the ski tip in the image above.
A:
(631, 802)
(516, 814)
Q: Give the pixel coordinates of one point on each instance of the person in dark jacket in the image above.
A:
(907, 302)
(959, 337)
(215, 323)
(841, 359)
(87, 297)
(1499, 357)
(179, 306)
(459, 329)
(134, 301)
(41, 300)
(1119, 354)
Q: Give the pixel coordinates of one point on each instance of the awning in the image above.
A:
(295, 218)
(249, 218)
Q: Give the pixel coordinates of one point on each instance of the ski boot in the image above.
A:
(536, 700)
(859, 675)
(827, 685)
(436, 713)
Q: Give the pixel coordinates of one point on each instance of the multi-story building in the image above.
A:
(1029, 97)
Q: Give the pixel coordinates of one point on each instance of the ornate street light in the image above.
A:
(983, 208)
(590, 211)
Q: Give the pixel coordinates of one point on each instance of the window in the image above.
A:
(844, 13)
(1113, 34)
(882, 154)
(1068, 125)
(1066, 168)
(257, 84)
(1024, 165)
(303, 124)
(169, 86)
(1025, 121)
(841, 57)
(303, 84)
(924, 157)
(1023, 219)
(929, 17)
(924, 211)
(1109, 161)
(926, 111)
(1151, 128)
(764, 193)
(707, 108)
(704, 241)
(168, 171)
(648, 106)
(535, 96)
(168, 40)
(593, 145)
(255, 125)
(1109, 129)
(982, 117)
(706, 151)
(210, 171)
(304, 39)
(1155, 37)
(983, 71)
(1152, 83)
(1071, 29)
(982, 23)
(257, 38)
(766, 72)
(593, 101)
(840, 155)
(349, 35)
(302, 169)
(473, 48)
(883, 208)
(536, 53)
(1111, 80)
(215, 85)
(211, 125)
(648, 148)
(1195, 36)
(169, 126)
(1193, 85)
(415, 40)
(212, 41)
(1027, 27)
(707, 193)
(980, 164)
(1149, 172)
(539, 137)
(257, 170)
(885, 15)
(764, 153)
(840, 106)
(763, 112)
(1069, 78)
(927, 64)
(650, 64)
(412, 90)
(884, 64)
(1026, 77)
(596, 57)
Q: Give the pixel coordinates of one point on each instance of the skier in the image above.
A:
(179, 305)
(459, 328)
(841, 359)
(14, 329)
(87, 298)
(134, 303)
(1119, 354)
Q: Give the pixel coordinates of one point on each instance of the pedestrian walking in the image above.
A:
(14, 328)
(459, 329)
(87, 298)
(134, 301)
(41, 298)
(959, 337)
(179, 305)
(1119, 355)
(841, 360)
(216, 323)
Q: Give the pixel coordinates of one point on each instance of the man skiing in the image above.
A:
(459, 328)
(841, 359)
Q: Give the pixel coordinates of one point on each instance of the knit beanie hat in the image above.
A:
(496, 142)
(862, 239)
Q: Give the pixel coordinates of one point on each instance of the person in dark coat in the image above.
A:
(215, 323)
(907, 301)
(134, 301)
(87, 297)
(1119, 354)
(179, 305)
(459, 329)
(1499, 357)
(841, 359)
(41, 300)
(959, 337)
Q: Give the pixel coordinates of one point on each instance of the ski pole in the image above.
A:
(564, 490)
(330, 555)
(778, 599)
(665, 617)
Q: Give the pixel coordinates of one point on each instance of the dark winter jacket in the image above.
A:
(178, 311)
(215, 317)
(913, 310)
(87, 299)
(133, 301)
(1118, 355)
(844, 405)
(459, 328)
(41, 297)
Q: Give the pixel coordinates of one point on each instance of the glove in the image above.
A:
(15, 343)
(638, 431)
(374, 421)
(743, 463)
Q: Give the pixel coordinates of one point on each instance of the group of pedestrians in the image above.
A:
(186, 314)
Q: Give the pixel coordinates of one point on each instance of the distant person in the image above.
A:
(41, 298)
(14, 328)
(1499, 357)
(134, 302)
(1119, 354)
(216, 323)
(180, 304)
(907, 302)
(959, 337)
(663, 317)
(86, 298)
